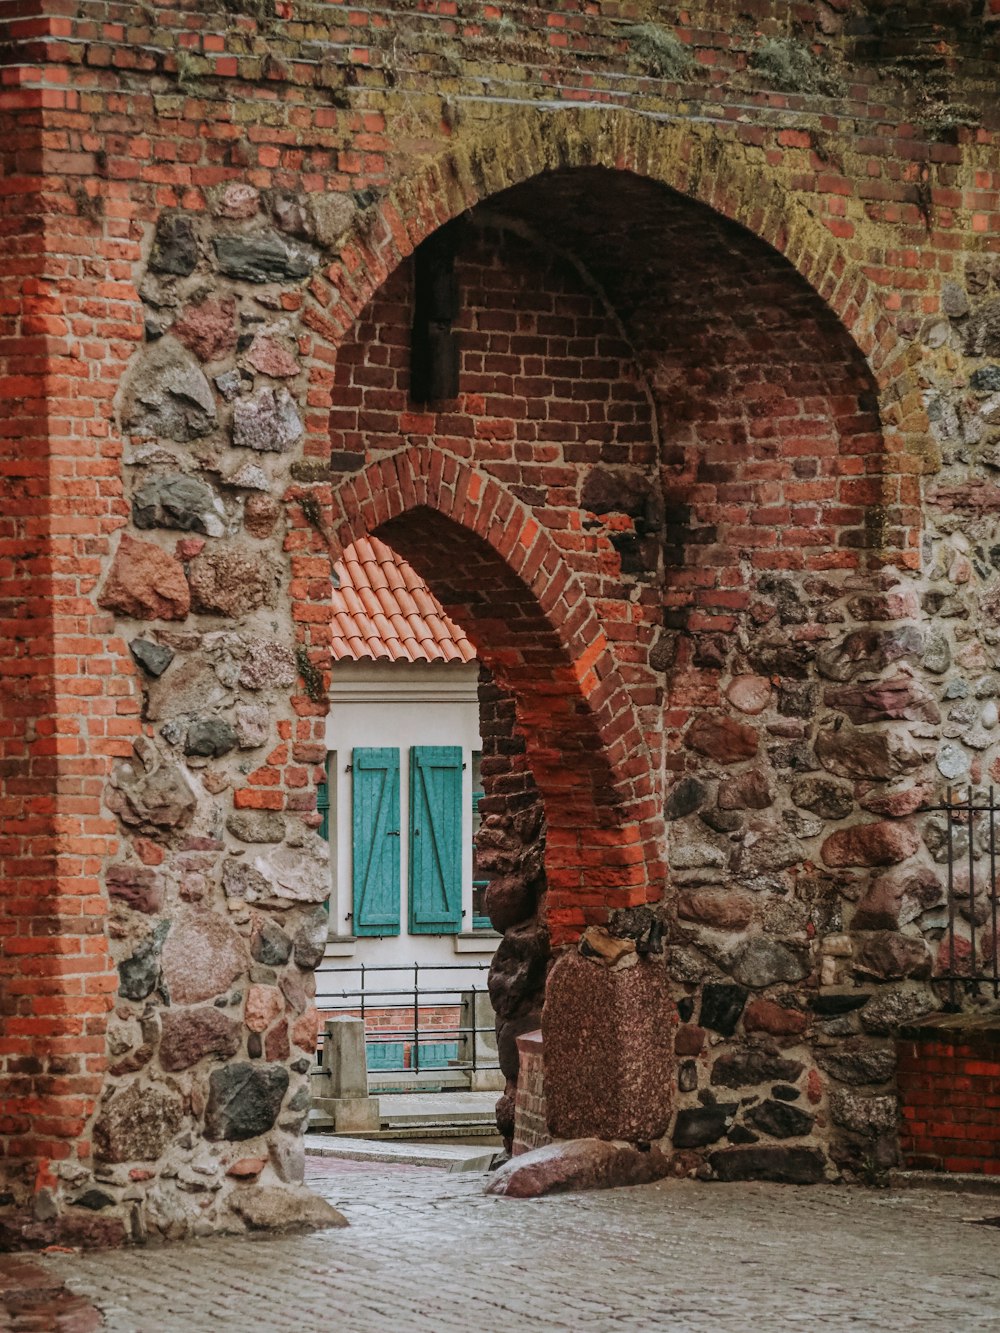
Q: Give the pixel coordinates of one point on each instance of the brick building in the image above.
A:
(664, 342)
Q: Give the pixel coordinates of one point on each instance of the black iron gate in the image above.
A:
(965, 838)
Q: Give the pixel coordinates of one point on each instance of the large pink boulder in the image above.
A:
(608, 1049)
(750, 694)
(719, 908)
(722, 739)
(208, 329)
(577, 1164)
(901, 698)
(897, 898)
(263, 1005)
(202, 957)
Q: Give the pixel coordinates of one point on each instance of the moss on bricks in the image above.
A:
(660, 51)
(312, 677)
(789, 65)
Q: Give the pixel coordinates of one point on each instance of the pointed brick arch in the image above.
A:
(500, 574)
(698, 161)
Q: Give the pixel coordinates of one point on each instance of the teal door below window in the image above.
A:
(438, 1054)
(385, 1055)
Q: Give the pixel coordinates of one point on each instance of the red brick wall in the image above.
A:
(949, 1095)
(530, 1125)
(547, 377)
(401, 1018)
(54, 986)
(22, 434)
(549, 384)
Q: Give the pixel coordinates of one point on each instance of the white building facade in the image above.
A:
(400, 810)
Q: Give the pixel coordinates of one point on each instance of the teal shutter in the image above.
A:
(438, 1054)
(323, 808)
(480, 921)
(435, 840)
(375, 799)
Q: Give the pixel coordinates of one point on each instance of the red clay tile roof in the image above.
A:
(383, 610)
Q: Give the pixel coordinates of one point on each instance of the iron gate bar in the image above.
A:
(968, 975)
(972, 882)
(474, 992)
(372, 999)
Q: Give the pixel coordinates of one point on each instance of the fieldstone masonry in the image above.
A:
(717, 500)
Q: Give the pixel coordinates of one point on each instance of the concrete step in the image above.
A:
(411, 1133)
(449, 1157)
(451, 1130)
(439, 1116)
(957, 1181)
(456, 1115)
(427, 1083)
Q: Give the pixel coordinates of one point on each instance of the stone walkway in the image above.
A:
(427, 1252)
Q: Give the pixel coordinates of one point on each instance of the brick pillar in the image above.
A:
(53, 965)
(530, 1128)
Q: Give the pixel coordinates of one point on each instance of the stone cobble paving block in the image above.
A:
(428, 1252)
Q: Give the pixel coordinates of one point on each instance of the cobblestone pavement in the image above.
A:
(427, 1252)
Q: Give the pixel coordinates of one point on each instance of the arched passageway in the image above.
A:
(643, 467)
(696, 442)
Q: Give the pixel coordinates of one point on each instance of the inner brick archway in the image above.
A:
(500, 575)
(571, 831)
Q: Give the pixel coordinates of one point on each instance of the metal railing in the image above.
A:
(474, 1041)
(966, 840)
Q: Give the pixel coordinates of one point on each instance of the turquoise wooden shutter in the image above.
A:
(435, 840)
(323, 808)
(375, 801)
(438, 1054)
(385, 1056)
(480, 921)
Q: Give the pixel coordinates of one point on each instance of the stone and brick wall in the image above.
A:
(394, 1027)
(716, 500)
